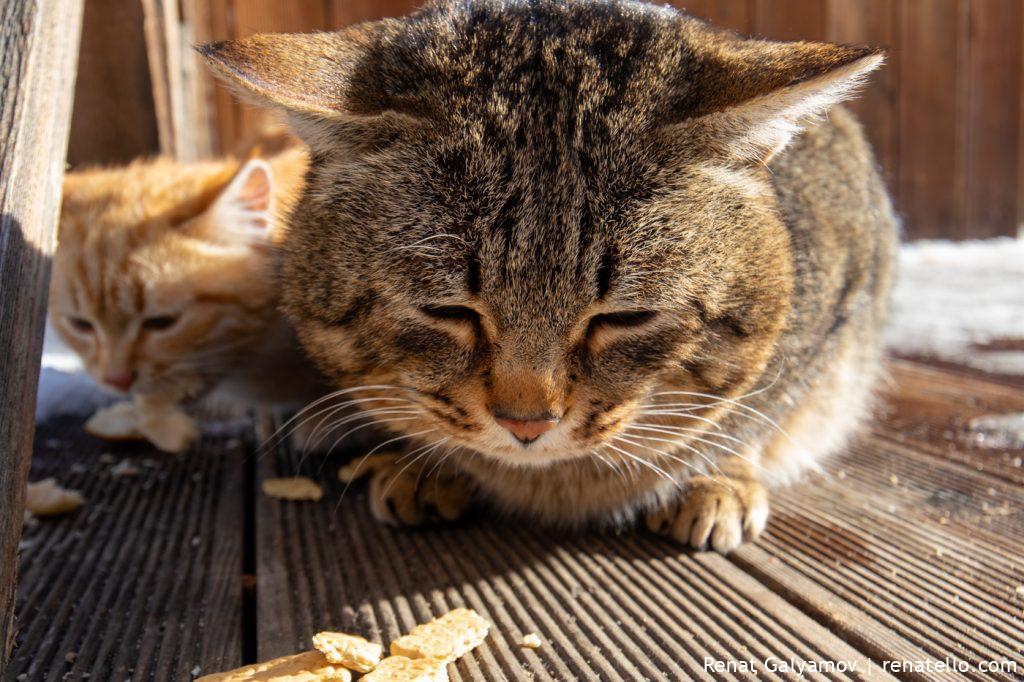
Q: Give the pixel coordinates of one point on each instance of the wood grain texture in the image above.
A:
(995, 77)
(930, 130)
(145, 580)
(610, 607)
(903, 551)
(732, 14)
(113, 120)
(38, 51)
(874, 22)
(342, 13)
(159, 24)
(789, 19)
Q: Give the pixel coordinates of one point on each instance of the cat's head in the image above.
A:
(533, 216)
(165, 272)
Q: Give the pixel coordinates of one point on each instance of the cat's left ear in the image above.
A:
(244, 210)
(756, 96)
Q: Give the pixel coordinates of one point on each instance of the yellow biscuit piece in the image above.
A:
(117, 422)
(355, 653)
(46, 498)
(402, 669)
(310, 666)
(531, 640)
(447, 637)
(295, 488)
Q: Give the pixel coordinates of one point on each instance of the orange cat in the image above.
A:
(165, 283)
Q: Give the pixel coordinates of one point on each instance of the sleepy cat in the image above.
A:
(610, 259)
(165, 284)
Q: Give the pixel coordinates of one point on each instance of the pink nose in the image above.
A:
(120, 381)
(527, 430)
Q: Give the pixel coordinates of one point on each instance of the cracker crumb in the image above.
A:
(125, 468)
(531, 640)
(894, 479)
(47, 498)
(294, 488)
(355, 653)
(448, 637)
(117, 422)
(309, 666)
(402, 669)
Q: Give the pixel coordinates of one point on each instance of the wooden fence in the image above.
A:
(945, 114)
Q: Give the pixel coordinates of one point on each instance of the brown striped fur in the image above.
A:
(624, 202)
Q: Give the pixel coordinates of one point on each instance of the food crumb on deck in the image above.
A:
(531, 640)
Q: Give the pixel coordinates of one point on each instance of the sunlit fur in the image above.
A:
(543, 163)
(144, 241)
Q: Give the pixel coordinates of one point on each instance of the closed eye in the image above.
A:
(80, 324)
(623, 318)
(159, 323)
(454, 313)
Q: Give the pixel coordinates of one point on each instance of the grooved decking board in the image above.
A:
(143, 581)
(907, 548)
(621, 606)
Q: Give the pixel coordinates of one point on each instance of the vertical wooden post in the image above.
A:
(38, 58)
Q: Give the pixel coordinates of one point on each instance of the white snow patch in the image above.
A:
(954, 298)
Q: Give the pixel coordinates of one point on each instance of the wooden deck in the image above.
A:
(909, 549)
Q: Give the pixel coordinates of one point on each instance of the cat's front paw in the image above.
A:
(410, 495)
(724, 512)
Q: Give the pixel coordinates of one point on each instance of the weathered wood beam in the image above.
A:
(38, 59)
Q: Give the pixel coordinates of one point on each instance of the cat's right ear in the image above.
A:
(325, 75)
(243, 213)
(294, 71)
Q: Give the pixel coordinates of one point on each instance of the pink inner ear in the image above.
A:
(255, 193)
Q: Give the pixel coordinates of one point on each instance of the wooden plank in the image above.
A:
(731, 14)
(114, 120)
(221, 27)
(262, 16)
(873, 22)
(611, 607)
(789, 19)
(198, 82)
(160, 24)
(930, 183)
(342, 13)
(144, 581)
(903, 552)
(994, 73)
(935, 409)
(38, 50)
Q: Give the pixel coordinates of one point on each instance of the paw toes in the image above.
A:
(717, 513)
(393, 498)
(697, 522)
(399, 497)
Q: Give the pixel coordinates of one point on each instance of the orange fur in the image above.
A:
(167, 273)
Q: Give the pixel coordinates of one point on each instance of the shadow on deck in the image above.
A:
(908, 549)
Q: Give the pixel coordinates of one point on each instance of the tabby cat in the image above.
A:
(598, 257)
(165, 283)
